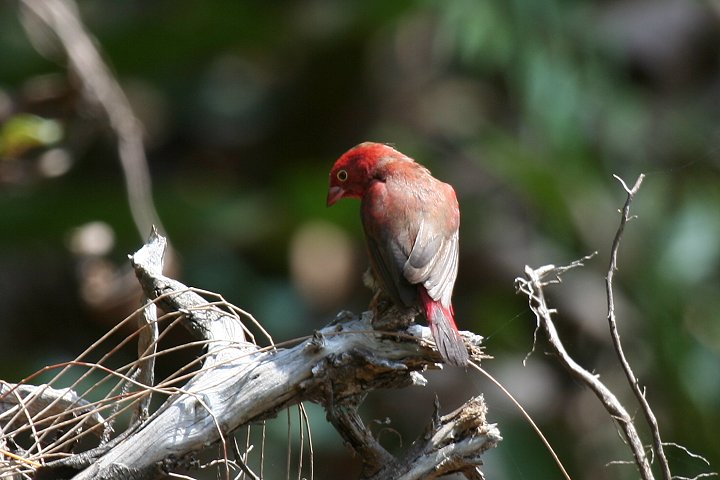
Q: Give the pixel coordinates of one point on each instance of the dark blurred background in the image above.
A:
(528, 108)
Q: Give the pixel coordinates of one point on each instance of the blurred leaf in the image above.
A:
(25, 132)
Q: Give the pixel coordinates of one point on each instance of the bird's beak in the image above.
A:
(334, 194)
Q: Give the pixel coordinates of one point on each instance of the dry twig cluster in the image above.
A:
(533, 284)
(58, 433)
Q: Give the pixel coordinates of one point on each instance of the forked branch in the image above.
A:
(532, 285)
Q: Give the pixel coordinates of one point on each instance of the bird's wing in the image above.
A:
(433, 261)
(389, 235)
(388, 265)
(412, 239)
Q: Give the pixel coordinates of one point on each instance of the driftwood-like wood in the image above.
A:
(240, 383)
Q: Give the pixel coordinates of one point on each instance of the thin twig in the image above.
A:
(180, 476)
(242, 458)
(696, 477)
(558, 279)
(310, 441)
(688, 452)
(527, 416)
(302, 440)
(631, 378)
(147, 347)
(289, 444)
(262, 449)
(695, 456)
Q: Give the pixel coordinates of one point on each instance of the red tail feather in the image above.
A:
(447, 338)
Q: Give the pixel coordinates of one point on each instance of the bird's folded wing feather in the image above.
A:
(387, 264)
(413, 240)
(433, 263)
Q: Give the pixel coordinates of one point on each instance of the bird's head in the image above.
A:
(357, 168)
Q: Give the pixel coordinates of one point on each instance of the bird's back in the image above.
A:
(411, 221)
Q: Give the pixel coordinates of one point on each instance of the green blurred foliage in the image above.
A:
(528, 108)
(24, 132)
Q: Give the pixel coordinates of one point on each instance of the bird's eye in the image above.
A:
(342, 175)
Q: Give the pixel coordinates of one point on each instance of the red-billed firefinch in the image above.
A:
(411, 223)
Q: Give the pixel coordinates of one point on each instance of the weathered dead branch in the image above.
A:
(240, 383)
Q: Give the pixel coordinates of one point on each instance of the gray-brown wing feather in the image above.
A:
(413, 240)
(433, 263)
(388, 266)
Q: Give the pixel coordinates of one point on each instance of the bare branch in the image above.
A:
(147, 348)
(532, 286)
(42, 402)
(453, 443)
(629, 374)
(240, 383)
(540, 273)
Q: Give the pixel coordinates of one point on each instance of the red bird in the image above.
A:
(411, 223)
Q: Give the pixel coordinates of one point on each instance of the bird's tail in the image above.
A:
(444, 331)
